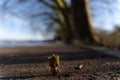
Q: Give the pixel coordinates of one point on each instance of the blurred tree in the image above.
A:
(63, 18)
(75, 24)
(78, 28)
(83, 22)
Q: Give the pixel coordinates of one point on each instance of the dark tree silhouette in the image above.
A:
(75, 24)
(82, 21)
(64, 18)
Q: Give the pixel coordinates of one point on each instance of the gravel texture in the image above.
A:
(30, 63)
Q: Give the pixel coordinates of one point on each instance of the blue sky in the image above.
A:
(106, 16)
(15, 18)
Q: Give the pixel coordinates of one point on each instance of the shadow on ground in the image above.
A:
(31, 58)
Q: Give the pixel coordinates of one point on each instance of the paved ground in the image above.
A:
(30, 63)
(113, 52)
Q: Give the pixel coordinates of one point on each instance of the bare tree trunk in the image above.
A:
(68, 31)
(82, 21)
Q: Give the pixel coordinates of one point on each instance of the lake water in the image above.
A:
(23, 43)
